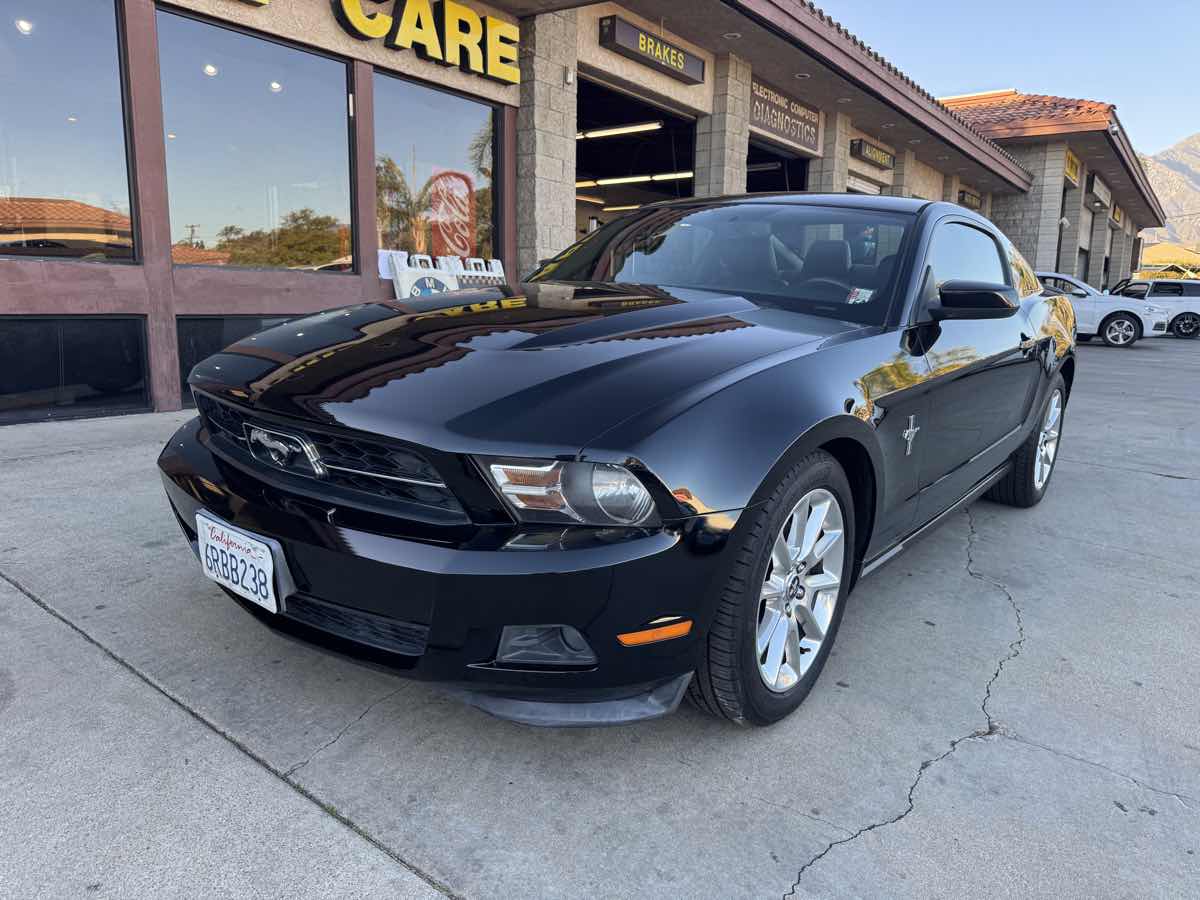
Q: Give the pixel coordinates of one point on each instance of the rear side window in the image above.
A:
(1191, 289)
(963, 253)
(1167, 289)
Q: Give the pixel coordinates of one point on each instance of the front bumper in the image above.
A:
(363, 585)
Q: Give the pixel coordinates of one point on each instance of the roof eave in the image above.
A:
(800, 24)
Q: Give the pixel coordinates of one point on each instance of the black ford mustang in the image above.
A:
(657, 467)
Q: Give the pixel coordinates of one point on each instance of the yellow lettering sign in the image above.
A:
(501, 39)
(417, 30)
(462, 32)
(447, 31)
(360, 24)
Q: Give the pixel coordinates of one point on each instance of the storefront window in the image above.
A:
(64, 179)
(67, 366)
(258, 150)
(433, 171)
(202, 336)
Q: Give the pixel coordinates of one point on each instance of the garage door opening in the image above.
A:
(628, 153)
(769, 171)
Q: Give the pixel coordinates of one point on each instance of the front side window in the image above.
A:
(64, 175)
(433, 171)
(1137, 291)
(829, 261)
(258, 150)
(963, 253)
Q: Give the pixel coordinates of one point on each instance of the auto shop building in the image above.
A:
(176, 175)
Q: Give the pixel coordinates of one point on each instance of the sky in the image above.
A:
(1091, 49)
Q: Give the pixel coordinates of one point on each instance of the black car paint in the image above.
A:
(709, 397)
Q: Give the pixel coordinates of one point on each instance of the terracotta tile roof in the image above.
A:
(45, 213)
(187, 255)
(1009, 113)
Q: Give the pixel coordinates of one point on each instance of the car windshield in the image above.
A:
(829, 261)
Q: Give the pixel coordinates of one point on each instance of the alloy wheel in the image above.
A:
(1120, 332)
(801, 589)
(1047, 446)
(1187, 325)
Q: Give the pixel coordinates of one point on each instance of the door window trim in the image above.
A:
(918, 304)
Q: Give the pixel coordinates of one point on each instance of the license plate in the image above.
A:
(237, 560)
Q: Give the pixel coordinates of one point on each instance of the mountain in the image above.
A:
(1175, 175)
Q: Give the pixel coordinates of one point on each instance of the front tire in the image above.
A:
(779, 611)
(1186, 325)
(1033, 462)
(1120, 330)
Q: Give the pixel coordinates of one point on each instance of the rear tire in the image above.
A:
(1120, 330)
(1033, 462)
(781, 598)
(1186, 325)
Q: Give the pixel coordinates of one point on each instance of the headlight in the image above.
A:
(1156, 310)
(584, 493)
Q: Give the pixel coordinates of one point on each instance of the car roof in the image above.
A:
(909, 205)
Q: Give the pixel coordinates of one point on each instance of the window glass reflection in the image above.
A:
(258, 159)
(433, 171)
(64, 182)
(64, 366)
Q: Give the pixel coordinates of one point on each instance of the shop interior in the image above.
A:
(770, 170)
(628, 153)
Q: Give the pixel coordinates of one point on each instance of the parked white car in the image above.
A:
(1180, 297)
(1116, 320)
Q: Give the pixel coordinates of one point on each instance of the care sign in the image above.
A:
(446, 32)
(640, 45)
(776, 114)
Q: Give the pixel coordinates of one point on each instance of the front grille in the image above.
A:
(367, 628)
(349, 462)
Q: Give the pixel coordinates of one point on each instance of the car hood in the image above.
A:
(545, 366)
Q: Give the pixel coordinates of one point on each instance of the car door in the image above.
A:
(983, 372)
(1086, 304)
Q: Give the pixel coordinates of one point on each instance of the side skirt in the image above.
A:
(981, 487)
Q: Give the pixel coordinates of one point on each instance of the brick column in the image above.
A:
(1095, 272)
(829, 173)
(902, 175)
(723, 139)
(1068, 251)
(546, 138)
(1119, 260)
(1031, 220)
(951, 185)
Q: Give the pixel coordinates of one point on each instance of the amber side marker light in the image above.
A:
(654, 635)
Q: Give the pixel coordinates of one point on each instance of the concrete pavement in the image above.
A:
(1011, 707)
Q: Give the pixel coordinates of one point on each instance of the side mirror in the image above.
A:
(974, 300)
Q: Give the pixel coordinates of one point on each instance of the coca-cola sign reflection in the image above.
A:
(452, 214)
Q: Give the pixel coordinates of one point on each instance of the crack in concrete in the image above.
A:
(145, 678)
(342, 733)
(1014, 647)
(992, 729)
(1184, 799)
(1096, 465)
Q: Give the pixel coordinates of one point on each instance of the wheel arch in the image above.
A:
(1137, 322)
(1067, 370)
(855, 447)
